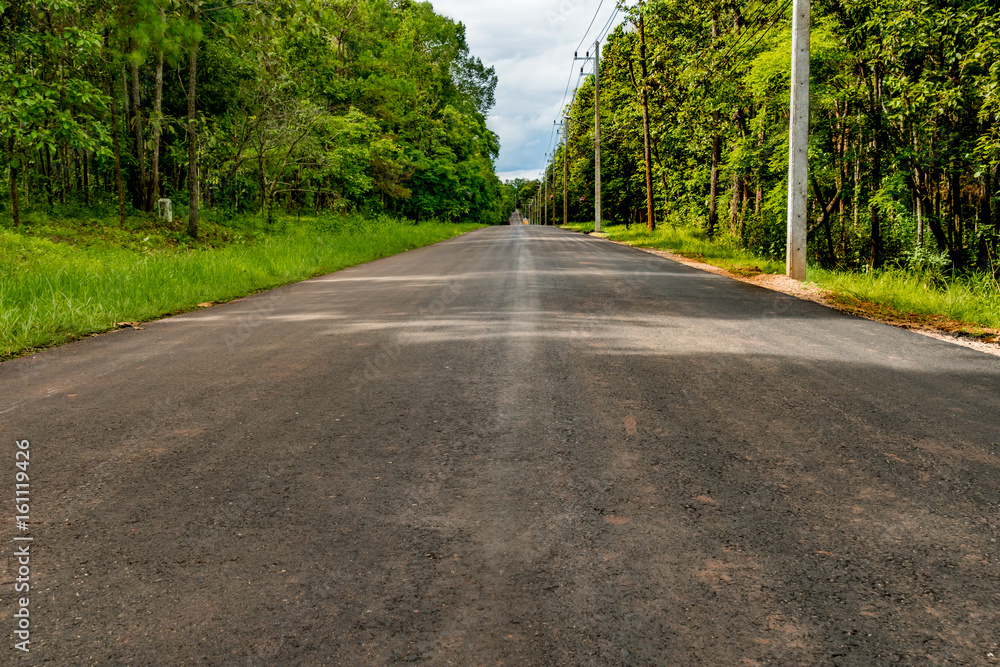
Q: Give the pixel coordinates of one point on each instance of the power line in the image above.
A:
(743, 42)
(601, 35)
(584, 39)
(764, 6)
(607, 26)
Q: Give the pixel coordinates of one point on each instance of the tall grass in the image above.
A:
(971, 300)
(51, 292)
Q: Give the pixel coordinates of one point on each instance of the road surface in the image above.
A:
(521, 446)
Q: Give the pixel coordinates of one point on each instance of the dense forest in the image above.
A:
(244, 106)
(905, 127)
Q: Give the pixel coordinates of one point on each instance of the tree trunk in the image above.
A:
(86, 178)
(995, 217)
(77, 172)
(877, 243)
(15, 205)
(140, 200)
(157, 125)
(131, 175)
(826, 211)
(663, 179)
(63, 173)
(192, 226)
(48, 174)
(117, 150)
(934, 220)
(262, 182)
(713, 215)
(985, 259)
(736, 204)
(650, 222)
(955, 204)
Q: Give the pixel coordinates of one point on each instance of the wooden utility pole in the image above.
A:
(798, 143)
(650, 222)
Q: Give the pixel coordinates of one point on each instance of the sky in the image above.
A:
(531, 45)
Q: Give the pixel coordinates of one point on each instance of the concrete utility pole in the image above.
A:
(545, 177)
(552, 193)
(566, 171)
(597, 136)
(552, 190)
(798, 144)
(597, 131)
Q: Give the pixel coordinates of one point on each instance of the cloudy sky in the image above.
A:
(531, 45)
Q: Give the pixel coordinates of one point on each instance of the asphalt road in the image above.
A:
(521, 446)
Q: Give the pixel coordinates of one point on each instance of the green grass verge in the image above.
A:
(965, 304)
(59, 282)
(969, 303)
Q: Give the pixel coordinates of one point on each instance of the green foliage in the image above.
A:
(904, 147)
(362, 105)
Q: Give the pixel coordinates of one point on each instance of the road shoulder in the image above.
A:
(945, 330)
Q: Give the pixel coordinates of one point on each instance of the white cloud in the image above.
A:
(527, 174)
(531, 45)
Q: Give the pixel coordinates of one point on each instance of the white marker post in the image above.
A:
(165, 207)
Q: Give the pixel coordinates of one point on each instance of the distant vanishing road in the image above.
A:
(521, 446)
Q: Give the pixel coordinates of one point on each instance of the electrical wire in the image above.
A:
(584, 39)
(763, 7)
(609, 25)
(740, 41)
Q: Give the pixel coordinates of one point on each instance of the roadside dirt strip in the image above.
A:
(521, 446)
(945, 329)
